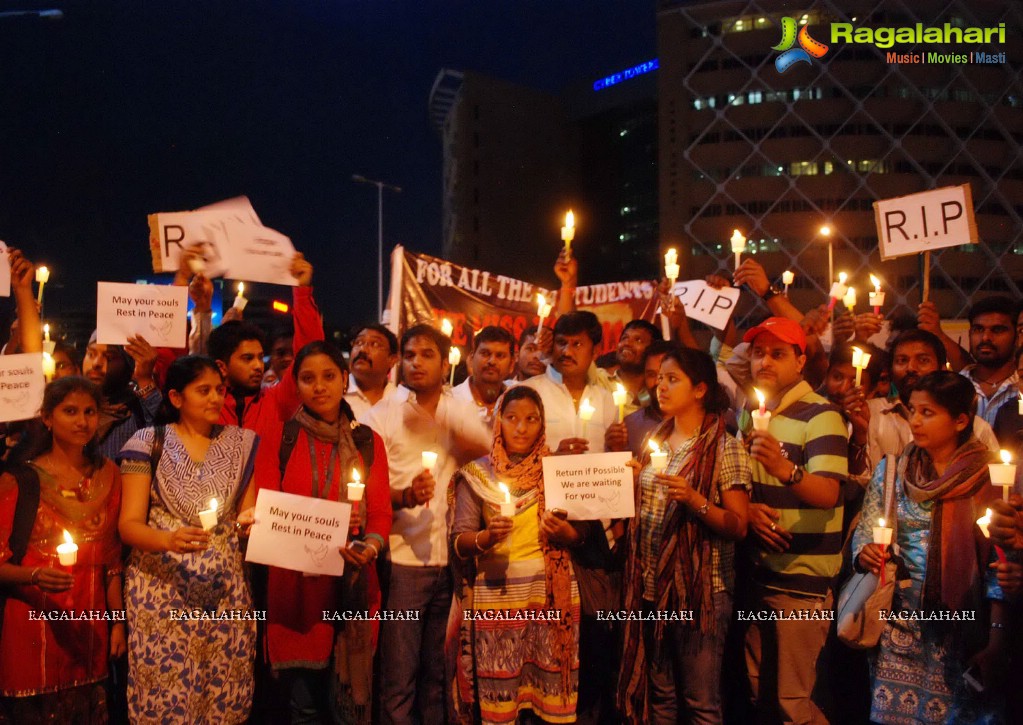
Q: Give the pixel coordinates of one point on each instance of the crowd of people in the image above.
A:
(472, 600)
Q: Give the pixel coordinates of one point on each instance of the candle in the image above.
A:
(1003, 474)
(619, 396)
(787, 278)
(208, 518)
(49, 366)
(1020, 404)
(849, 300)
(837, 290)
(543, 309)
(761, 416)
(46, 332)
(671, 268)
(876, 298)
(658, 458)
(860, 360)
(429, 459)
(197, 265)
(454, 357)
(883, 538)
(983, 522)
(42, 277)
(67, 552)
(586, 412)
(356, 488)
(239, 300)
(446, 327)
(568, 233)
(48, 344)
(738, 246)
(507, 506)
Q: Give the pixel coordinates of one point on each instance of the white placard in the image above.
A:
(157, 312)
(590, 486)
(21, 386)
(300, 533)
(710, 306)
(929, 220)
(5, 271)
(255, 254)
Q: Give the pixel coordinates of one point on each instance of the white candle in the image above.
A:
(42, 277)
(197, 265)
(837, 290)
(507, 506)
(67, 552)
(876, 298)
(761, 415)
(671, 268)
(787, 278)
(446, 327)
(586, 412)
(49, 366)
(208, 518)
(882, 533)
(860, 360)
(619, 397)
(568, 233)
(48, 345)
(658, 458)
(239, 300)
(1003, 474)
(356, 488)
(738, 246)
(543, 309)
(454, 357)
(1021, 404)
(429, 459)
(46, 332)
(849, 300)
(983, 522)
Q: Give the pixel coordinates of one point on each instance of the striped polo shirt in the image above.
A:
(813, 435)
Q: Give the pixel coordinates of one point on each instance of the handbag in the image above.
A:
(863, 597)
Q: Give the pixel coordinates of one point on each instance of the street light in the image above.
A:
(825, 231)
(380, 185)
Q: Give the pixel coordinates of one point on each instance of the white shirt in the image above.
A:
(889, 432)
(419, 534)
(359, 402)
(463, 391)
(562, 419)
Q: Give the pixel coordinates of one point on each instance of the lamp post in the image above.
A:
(825, 231)
(380, 185)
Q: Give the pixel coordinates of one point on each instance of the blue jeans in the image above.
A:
(412, 653)
(688, 669)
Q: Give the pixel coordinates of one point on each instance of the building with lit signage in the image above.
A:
(778, 147)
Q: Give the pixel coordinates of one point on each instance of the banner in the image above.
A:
(427, 289)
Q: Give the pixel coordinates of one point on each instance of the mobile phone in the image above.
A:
(970, 677)
(358, 546)
(560, 513)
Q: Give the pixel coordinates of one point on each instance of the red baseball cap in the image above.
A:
(783, 328)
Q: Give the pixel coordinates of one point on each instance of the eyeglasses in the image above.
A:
(371, 342)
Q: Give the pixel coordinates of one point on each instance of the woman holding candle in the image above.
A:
(53, 671)
(513, 564)
(188, 669)
(322, 671)
(942, 486)
(680, 550)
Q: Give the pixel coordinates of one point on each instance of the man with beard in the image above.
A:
(238, 349)
(490, 365)
(912, 354)
(795, 518)
(130, 396)
(992, 344)
(530, 358)
(421, 416)
(374, 353)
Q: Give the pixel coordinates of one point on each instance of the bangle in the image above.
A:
(32, 577)
(702, 511)
(476, 542)
(997, 625)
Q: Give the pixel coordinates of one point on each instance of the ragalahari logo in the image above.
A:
(807, 46)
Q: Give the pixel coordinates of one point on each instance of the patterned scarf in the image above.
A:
(952, 566)
(683, 575)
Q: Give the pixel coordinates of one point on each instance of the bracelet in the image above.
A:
(476, 542)
(997, 625)
(32, 577)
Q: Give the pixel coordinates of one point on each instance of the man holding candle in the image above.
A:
(490, 364)
(796, 518)
(421, 416)
(374, 354)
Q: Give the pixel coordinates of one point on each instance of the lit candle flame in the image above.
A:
(671, 257)
(355, 475)
(213, 504)
(446, 327)
(504, 489)
(42, 275)
(67, 537)
(570, 219)
(454, 356)
(760, 397)
(788, 277)
(880, 522)
(1005, 456)
(540, 300)
(241, 288)
(876, 282)
(654, 447)
(842, 277)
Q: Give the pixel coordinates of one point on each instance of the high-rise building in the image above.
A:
(778, 155)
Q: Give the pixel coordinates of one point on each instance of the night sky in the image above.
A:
(122, 109)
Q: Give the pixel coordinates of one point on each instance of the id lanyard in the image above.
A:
(314, 461)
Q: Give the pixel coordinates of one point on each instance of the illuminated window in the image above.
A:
(803, 168)
(755, 97)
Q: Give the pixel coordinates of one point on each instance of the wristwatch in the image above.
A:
(702, 511)
(772, 291)
(797, 474)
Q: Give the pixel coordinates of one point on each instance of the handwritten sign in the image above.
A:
(255, 254)
(590, 486)
(300, 533)
(21, 386)
(929, 220)
(710, 306)
(5, 271)
(157, 312)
